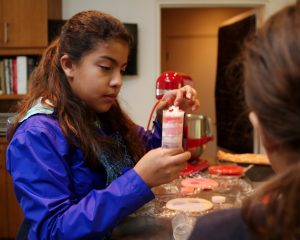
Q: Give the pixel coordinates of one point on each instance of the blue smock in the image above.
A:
(60, 196)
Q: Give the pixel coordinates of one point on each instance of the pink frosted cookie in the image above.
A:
(202, 183)
(189, 204)
(187, 190)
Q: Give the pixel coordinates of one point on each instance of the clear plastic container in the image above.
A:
(172, 127)
(182, 226)
(218, 201)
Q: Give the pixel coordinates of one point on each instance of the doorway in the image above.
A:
(189, 43)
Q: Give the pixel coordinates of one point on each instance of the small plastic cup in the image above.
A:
(182, 226)
(172, 128)
(218, 201)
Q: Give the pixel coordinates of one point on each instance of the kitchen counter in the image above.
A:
(153, 221)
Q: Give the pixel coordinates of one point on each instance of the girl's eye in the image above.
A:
(105, 68)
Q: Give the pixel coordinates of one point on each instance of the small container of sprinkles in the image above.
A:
(172, 127)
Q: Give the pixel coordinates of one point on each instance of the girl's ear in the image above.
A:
(254, 120)
(256, 124)
(67, 66)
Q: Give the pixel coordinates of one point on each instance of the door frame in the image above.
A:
(261, 9)
(263, 6)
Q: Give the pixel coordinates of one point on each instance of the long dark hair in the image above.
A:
(272, 89)
(79, 36)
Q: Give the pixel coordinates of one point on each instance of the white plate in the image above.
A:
(189, 204)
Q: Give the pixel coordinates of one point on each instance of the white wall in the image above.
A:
(138, 92)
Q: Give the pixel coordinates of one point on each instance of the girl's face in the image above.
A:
(97, 78)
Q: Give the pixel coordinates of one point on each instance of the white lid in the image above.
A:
(218, 199)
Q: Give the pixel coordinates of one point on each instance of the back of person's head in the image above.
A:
(272, 71)
(272, 89)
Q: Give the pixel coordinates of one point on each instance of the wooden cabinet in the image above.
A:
(32, 32)
(23, 31)
(3, 193)
(10, 212)
(24, 25)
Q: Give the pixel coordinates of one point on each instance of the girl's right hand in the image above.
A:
(161, 165)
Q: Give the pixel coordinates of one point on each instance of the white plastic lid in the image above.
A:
(218, 199)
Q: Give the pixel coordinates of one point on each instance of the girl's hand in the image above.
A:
(161, 165)
(185, 98)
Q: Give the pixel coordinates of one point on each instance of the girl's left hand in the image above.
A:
(185, 98)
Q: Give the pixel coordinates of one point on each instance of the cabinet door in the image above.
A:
(14, 211)
(11, 215)
(1, 23)
(23, 23)
(3, 195)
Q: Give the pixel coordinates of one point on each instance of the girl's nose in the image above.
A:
(116, 80)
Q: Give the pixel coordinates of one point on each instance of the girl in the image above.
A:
(78, 163)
